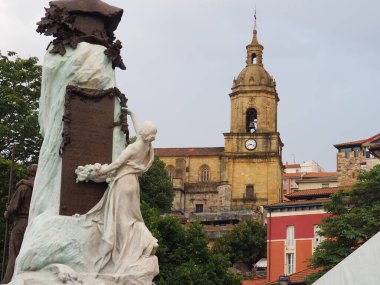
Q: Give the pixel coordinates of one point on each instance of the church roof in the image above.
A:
(188, 151)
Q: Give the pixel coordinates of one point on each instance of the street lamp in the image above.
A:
(284, 279)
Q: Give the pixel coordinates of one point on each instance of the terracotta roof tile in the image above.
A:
(318, 179)
(353, 143)
(291, 175)
(254, 282)
(358, 142)
(292, 165)
(188, 151)
(298, 202)
(299, 276)
(315, 192)
(319, 174)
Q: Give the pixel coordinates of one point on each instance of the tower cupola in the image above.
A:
(254, 74)
(254, 51)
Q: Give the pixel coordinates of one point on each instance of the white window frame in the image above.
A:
(290, 237)
(290, 263)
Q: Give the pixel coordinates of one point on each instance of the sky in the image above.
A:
(182, 56)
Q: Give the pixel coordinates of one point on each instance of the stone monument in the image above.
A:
(80, 105)
(92, 231)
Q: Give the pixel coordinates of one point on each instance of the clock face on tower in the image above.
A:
(250, 144)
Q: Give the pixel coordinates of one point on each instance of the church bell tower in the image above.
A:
(253, 145)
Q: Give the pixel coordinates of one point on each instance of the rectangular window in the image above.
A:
(198, 208)
(285, 180)
(290, 237)
(325, 185)
(249, 191)
(289, 263)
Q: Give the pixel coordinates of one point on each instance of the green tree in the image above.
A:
(20, 81)
(355, 219)
(245, 243)
(156, 187)
(184, 256)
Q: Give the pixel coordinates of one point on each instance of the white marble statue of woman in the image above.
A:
(124, 231)
(108, 245)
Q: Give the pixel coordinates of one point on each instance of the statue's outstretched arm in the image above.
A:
(135, 121)
(125, 155)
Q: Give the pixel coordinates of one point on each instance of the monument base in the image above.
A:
(71, 250)
(59, 274)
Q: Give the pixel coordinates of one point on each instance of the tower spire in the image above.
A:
(254, 50)
(255, 26)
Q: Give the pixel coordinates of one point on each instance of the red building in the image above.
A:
(292, 231)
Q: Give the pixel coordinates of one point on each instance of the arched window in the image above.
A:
(204, 173)
(251, 120)
(171, 170)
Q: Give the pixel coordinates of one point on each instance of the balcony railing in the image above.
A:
(250, 198)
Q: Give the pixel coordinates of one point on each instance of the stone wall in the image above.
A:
(349, 167)
(265, 174)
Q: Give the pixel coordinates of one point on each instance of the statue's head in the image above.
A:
(148, 131)
(32, 169)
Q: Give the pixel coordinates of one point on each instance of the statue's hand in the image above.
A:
(129, 112)
(22, 181)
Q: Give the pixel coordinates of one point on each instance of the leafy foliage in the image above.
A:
(156, 187)
(245, 243)
(20, 81)
(356, 218)
(183, 255)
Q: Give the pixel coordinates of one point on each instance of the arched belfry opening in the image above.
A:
(253, 58)
(251, 120)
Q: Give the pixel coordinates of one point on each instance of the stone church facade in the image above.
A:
(247, 172)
